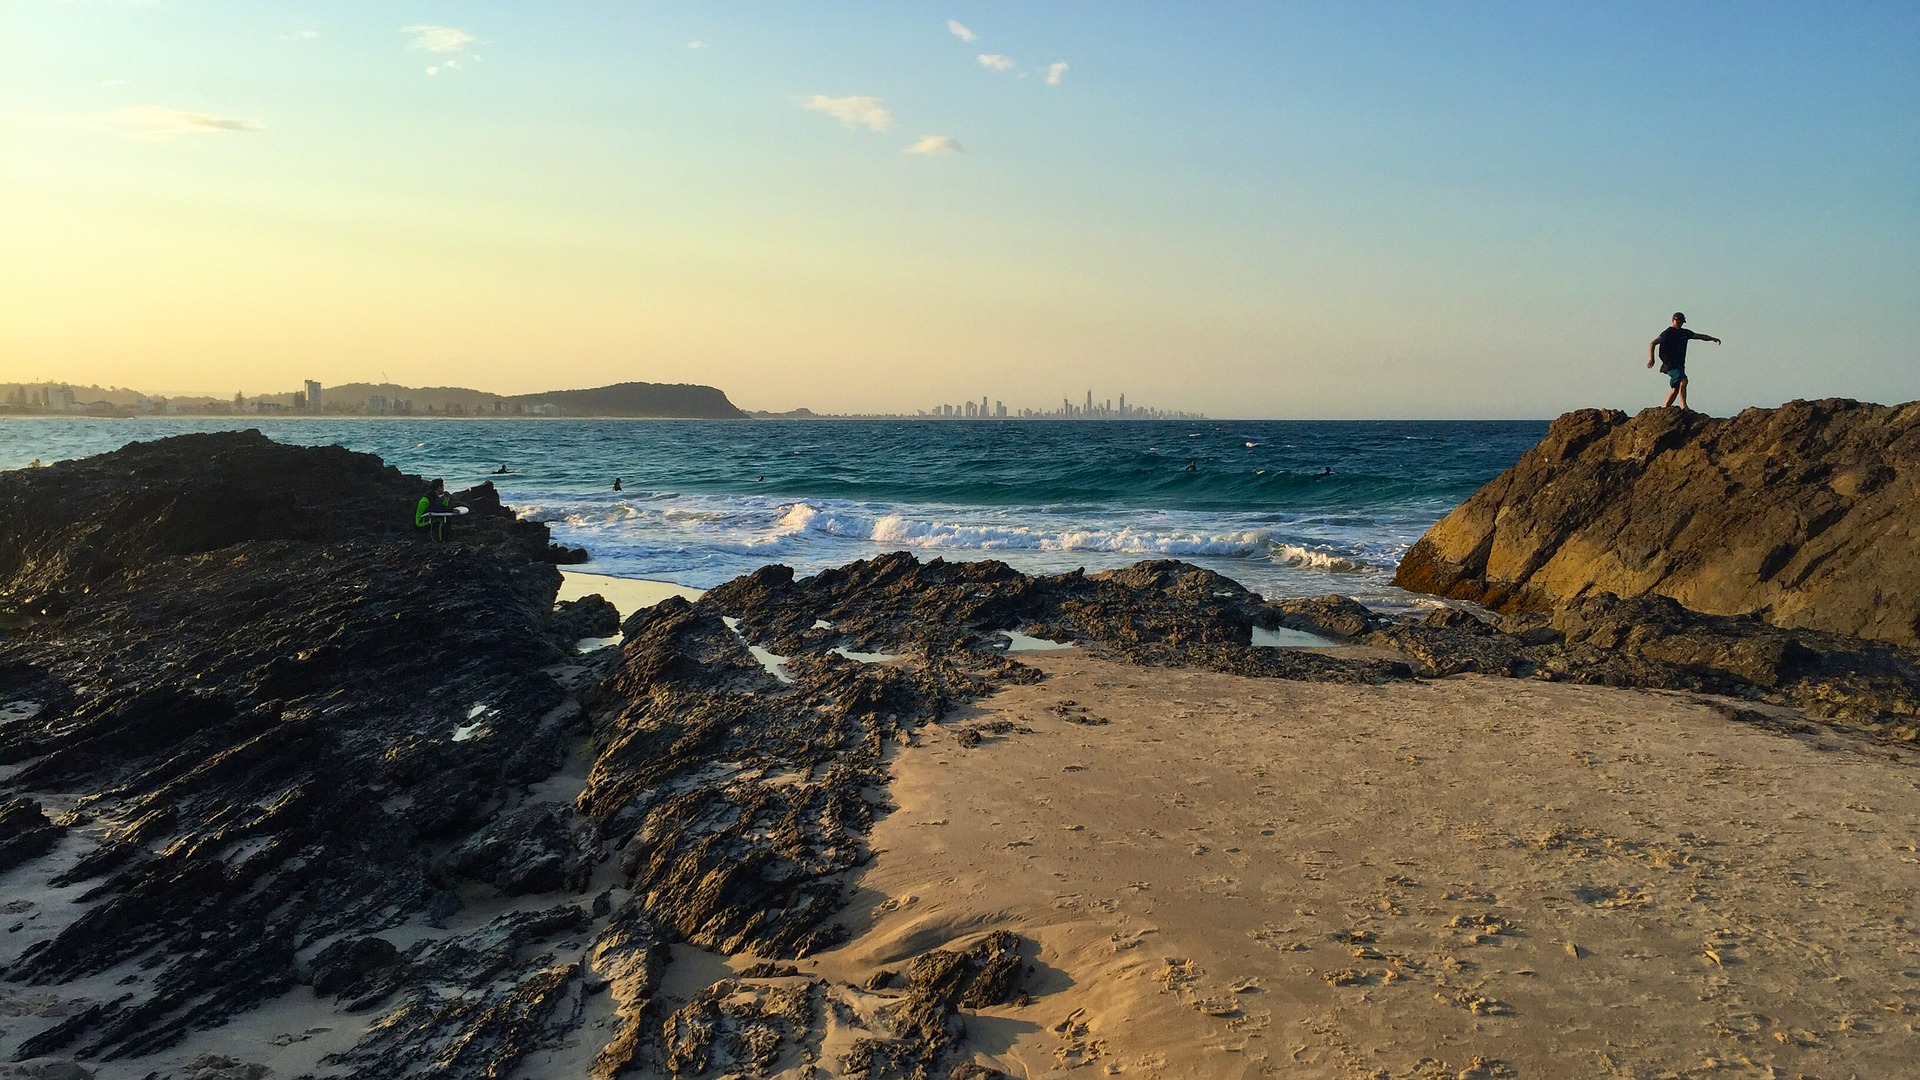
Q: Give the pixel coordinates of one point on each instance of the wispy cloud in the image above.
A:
(150, 122)
(300, 35)
(696, 44)
(996, 61)
(1055, 72)
(934, 144)
(438, 39)
(854, 111)
(959, 31)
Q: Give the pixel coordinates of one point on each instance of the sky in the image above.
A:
(1341, 210)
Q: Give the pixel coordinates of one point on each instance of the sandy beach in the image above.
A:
(627, 594)
(1469, 877)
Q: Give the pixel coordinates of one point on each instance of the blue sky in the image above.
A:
(1248, 209)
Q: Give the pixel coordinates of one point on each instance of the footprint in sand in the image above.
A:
(1612, 897)
(1179, 976)
(1280, 938)
(1476, 1004)
(1080, 1047)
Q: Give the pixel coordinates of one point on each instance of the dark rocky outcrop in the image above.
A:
(1807, 515)
(25, 832)
(1652, 642)
(1337, 618)
(249, 672)
(588, 617)
(1155, 612)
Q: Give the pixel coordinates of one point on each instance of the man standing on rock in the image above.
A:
(1673, 356)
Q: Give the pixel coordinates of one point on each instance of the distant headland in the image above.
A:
(629, 399)
(635, 400)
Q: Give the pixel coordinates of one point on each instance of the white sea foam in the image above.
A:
(1294, 555)
(901, 530)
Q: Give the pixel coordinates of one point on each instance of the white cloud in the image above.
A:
(433, 69)
(961, 32)
(996, 61)
(934, 144)
(696, 44)
(300, 35)
(150, 122)
(1055, 72)
(854, 111)
(438, 39)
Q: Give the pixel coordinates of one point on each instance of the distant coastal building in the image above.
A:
(313, 396)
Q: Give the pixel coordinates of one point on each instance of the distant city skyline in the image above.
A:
(1105, 409)
(1241, 209)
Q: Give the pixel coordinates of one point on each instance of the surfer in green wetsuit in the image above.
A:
(431, 511)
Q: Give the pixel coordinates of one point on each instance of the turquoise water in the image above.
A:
(704, 501)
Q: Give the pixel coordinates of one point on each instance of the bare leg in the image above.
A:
(1671, 394)
(1682, 391)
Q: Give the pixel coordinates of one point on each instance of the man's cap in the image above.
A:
(1679, 316)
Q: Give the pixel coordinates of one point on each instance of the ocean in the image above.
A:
(1285, 507)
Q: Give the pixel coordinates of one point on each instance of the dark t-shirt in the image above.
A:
(1673, 346)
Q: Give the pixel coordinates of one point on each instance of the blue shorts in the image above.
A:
(1676, 377)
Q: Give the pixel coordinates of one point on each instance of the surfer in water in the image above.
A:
(616, 483)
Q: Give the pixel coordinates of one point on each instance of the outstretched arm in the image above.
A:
(1707, 337)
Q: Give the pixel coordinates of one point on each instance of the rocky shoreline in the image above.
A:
(261, 741)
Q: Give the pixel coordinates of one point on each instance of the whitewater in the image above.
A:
(1287, 508)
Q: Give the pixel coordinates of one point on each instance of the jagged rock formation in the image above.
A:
(246, 674)
(1808, 515)
(269, 741)
(1652, 642)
